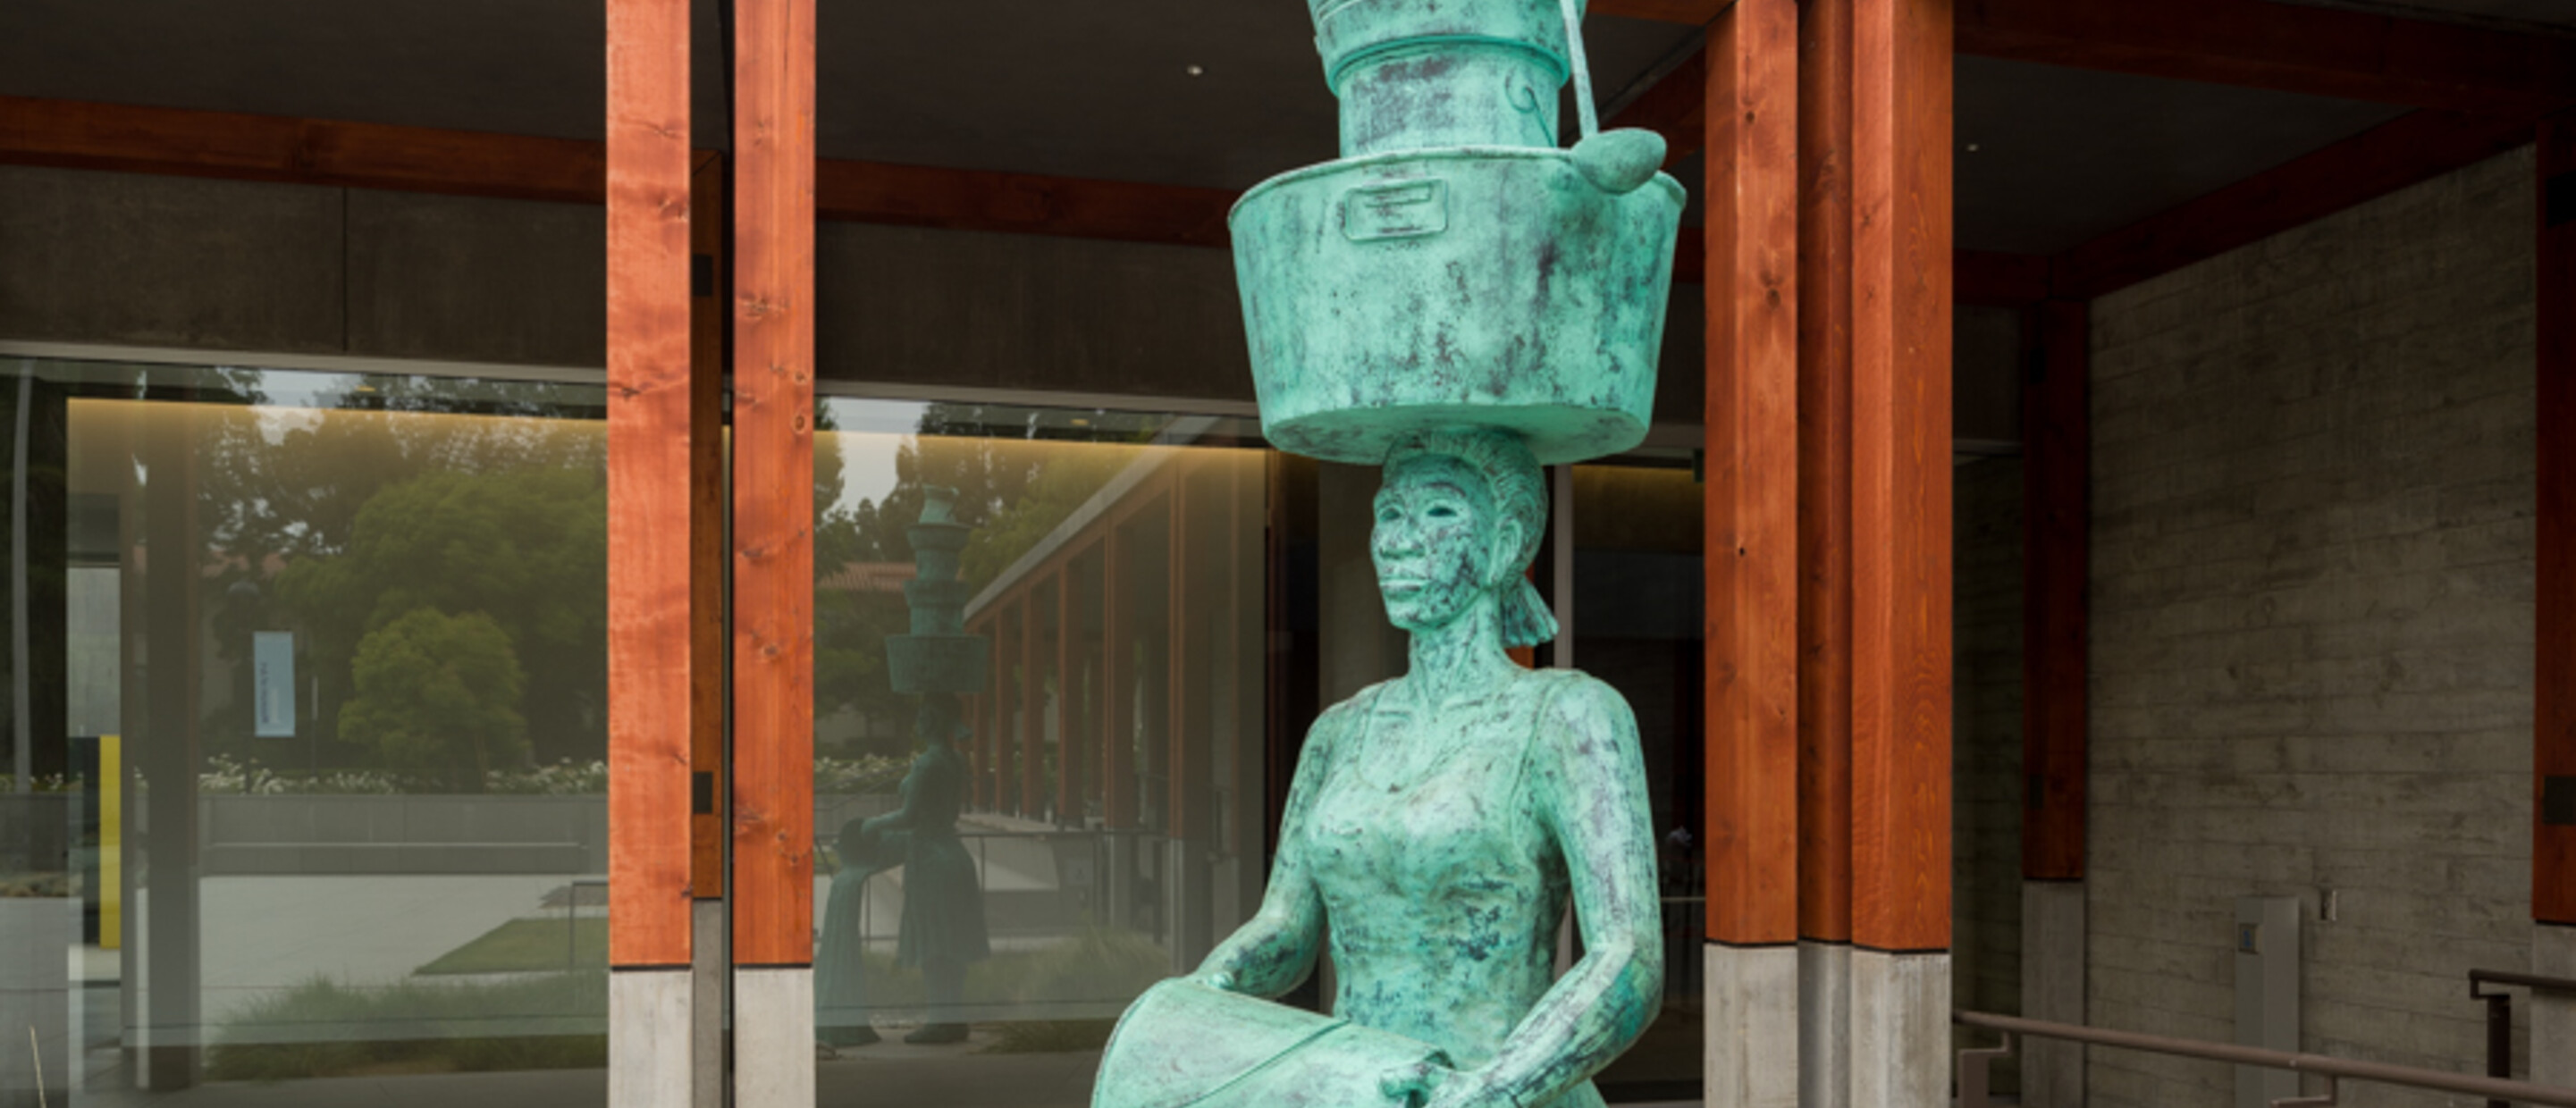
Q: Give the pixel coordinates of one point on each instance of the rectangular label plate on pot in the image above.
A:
(1402, 210)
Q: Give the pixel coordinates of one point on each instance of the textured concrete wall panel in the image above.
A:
(169, 261)
(2312, 629)
(455, 278)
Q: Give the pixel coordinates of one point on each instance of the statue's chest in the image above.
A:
(1433, 802)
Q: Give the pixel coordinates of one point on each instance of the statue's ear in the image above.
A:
(1502, 554)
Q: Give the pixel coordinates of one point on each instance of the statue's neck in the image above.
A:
(1460, 658)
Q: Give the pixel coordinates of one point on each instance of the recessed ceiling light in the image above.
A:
(1082, 423)
(1196, 71)
(1972, 148)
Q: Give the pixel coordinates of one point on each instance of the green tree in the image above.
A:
(524, 548)
(440, 694)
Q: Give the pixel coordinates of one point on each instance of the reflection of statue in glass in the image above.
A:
(943, 904)
(1441, 821)
(840, 971)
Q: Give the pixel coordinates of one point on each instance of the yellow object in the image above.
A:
(111, 844)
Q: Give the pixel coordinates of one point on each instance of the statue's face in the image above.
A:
(1438, 541)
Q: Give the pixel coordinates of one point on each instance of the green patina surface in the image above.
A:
(1458, 300)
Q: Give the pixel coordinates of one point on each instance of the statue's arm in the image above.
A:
(1274, 950)
(1589, 780)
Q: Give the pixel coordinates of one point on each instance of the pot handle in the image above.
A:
(1584, 109)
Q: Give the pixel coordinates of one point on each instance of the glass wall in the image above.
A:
(1637, 625)
(996, 890)
(307, 718)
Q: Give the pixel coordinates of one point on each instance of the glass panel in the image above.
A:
(1637, 610)
(316, 670)
(1099, 822)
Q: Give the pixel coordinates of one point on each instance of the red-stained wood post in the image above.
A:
(651, 590)
(773, 576)
(1752, 553)
(2056, 522)
(2056, 470)
(2553, 831)
(1824, 476)
(707, 327)
(1900, 169)
(2553, 856)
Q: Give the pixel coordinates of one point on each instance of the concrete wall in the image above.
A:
(1985, 813)
(228, 265)
(2312, 629)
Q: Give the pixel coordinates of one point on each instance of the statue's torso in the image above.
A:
(1441, 882)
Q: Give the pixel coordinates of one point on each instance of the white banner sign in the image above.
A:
(273, 683)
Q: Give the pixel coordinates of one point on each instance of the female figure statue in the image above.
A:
(1441, 821)
(943, 905)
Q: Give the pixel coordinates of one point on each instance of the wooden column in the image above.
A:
(655, 596)
(1901, 476)
(708, 323)
(1824, 470)
(773, 578)
(651, 662)
(1752, 553)
(2056, 470)
(2553, 858)
(1752, 522)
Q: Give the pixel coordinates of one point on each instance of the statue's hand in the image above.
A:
(1452, 1089)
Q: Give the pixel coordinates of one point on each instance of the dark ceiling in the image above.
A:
(2048, 157)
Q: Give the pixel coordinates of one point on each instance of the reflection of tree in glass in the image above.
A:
(439, 694)
(1011, 491)
(396, 499)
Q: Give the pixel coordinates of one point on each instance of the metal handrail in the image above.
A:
(2500, 1013)
(2332, 1069)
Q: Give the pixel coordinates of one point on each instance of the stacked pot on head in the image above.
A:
(1457, 267)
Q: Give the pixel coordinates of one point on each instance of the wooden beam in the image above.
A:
(649, 469)
(1900, 502)
(2553, 860)
(707, 345)
(1752, 513)
(2056, 533)
(2394, 155)
(1824, 470)
(81, 135)
(72, 134)
(773, 577)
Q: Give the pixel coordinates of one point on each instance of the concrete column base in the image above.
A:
(773, 1038)
(1900, 1029)
(648, 1038)
(2052, 988)
(1824, 1025)
(2553, 1015)
(710, 971)
(1752, 1059)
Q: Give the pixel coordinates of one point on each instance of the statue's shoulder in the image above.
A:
(1585, 709)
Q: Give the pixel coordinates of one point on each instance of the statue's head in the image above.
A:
(1459, 517)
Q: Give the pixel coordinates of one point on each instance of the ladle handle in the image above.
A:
(1584, 110)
